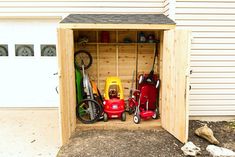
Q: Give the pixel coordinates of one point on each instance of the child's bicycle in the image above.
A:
(89, 108)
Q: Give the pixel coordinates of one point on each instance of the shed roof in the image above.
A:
(118, 19)
(122, 21)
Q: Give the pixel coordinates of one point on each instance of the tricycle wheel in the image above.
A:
(123, 116)
(105, 117)
(88, 111)
(136, 119)
(130, 111)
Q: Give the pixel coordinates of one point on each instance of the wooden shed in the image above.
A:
(118, 58)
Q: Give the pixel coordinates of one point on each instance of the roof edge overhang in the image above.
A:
(116, 26)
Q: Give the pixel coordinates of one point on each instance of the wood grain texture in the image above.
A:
(114, 59)
(66, 83)
(175, 82)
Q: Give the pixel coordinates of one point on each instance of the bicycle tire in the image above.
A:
(89, 57)
(97, 113)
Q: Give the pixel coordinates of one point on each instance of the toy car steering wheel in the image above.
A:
(113, 93)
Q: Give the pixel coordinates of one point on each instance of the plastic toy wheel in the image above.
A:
(88, 111)
(136, 119)
(123, 116)
(105, 117)
(82, 57)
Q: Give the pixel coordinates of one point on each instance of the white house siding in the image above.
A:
(29, 81)
(169, 8)
(63, 7)
(166, 7)
(212, 54)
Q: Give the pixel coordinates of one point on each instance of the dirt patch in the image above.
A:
(152, 143)
(224, 132)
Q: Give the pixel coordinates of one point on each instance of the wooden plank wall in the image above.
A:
(126, 65)
(112, 59)
(145, 57)
(107, 64)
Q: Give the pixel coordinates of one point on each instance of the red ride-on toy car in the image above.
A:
(143, 102)
(114, 104)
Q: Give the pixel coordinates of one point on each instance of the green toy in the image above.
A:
(78, 76)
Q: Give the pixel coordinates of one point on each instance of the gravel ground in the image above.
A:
(122, 143)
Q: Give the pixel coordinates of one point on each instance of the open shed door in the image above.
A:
(66, 83)
(174, 93)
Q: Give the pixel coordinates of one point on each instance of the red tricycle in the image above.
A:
(114, 104)
(143, 101)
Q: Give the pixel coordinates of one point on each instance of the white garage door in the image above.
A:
(28, 81)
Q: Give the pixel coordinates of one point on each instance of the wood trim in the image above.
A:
(160, 70)
(117, 49)
(116, 26)
(66, 83)
(189, 40)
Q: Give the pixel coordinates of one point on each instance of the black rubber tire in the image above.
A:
(123, 117)
(105, 117)
(97, 113)
(78, 65)
(130, 111)
(157, 114)
(136, 119)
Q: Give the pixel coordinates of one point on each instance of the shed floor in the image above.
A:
(114, 124)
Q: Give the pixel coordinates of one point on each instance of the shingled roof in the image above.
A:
(118, 19)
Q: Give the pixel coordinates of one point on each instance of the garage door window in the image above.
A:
(48, 50)
(3, 50)
(24, 50)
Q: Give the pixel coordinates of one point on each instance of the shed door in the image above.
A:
(175, 59)
(67, 83)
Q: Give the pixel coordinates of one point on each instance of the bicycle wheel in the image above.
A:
(88, 111)
(82, 57)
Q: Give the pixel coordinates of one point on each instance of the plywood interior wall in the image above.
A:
(117, 58)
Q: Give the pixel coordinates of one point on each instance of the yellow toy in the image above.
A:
(114, 104)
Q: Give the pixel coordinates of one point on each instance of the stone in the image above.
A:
(190, 149)
(216, 151)
(207, 134)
